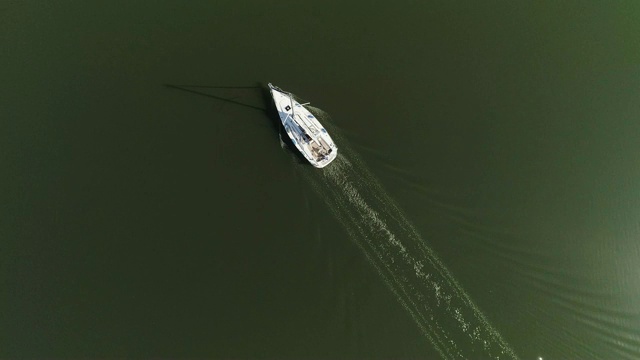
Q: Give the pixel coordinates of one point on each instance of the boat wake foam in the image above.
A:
(420, 281)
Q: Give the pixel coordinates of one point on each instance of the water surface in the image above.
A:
(484, 205)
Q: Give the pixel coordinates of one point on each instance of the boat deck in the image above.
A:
(306, 132)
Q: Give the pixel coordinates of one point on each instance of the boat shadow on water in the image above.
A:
(269, 109)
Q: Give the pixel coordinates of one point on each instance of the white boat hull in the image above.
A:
(305, 131)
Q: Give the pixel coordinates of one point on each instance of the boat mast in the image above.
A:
(293, 112)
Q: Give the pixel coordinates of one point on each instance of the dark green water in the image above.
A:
(485, 203)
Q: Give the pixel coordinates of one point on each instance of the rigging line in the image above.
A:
(215, 97)
(221, 87)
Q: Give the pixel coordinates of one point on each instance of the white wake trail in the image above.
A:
(420, 281)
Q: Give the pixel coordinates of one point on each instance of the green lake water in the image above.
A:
(485, 203)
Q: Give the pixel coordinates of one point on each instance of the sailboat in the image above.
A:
(304, 129)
